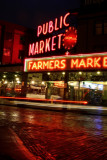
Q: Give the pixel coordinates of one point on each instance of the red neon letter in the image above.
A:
(36, 48)
(51, 28)
(96, 62)
(105, 62)
(74, 62)
(39, 31)
(56, 23)
(64, 20)
(41, 46)
(47, 45)
(89, 62)
(63, 64)
(53, 44)
(59, 40)
(31, 49)
(45, 28)
(82, 63)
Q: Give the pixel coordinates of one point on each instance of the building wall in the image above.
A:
(92, 29)
(13, 43)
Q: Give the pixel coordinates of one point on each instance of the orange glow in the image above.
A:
(89, 62)
(63, 63)
(82, 63)
(17, 89)
(74, 62)
(70, 38)
(59, 84)
(105, 62)
(44, 100)
(66, 63)
(43, 65)
(94, 62)
(97, 62)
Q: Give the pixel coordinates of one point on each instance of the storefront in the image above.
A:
(80, 77)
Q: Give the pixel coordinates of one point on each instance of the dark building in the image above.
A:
(92, 26)
(14, 42)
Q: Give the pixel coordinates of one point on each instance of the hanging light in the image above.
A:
(4, 76)
(80, 73)
(48, 73)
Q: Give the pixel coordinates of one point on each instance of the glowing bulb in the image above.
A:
(98, 72)
(80, 73)
(48, 73)
(17, 79)
(32, 82)
(4, 76)
(5, 82)
(63, 73)
(18, 82)
(43, 83)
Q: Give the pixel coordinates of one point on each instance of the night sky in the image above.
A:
(31, 13)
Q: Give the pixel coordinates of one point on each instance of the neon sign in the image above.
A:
(70, 38)
(46, 65)
(75, 62)
(46, 45)
(51, 26)
(53, 42)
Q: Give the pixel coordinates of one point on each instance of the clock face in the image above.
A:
(70, 38)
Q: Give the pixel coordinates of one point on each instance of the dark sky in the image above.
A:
(31, 13)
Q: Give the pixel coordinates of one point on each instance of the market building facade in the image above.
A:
(67, 59)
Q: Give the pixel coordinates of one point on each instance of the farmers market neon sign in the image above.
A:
(76, 62)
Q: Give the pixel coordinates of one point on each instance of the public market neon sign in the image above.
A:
(66, 63)
(50, 43)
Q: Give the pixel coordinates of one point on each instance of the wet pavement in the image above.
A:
(49, 135)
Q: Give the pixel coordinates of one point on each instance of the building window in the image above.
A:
(89, 2)
(6, 59)
(21, 54)
(22, 39)
(99, 28)
(105, 27)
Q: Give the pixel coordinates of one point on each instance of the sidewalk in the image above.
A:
(85, 109)
(100, 110)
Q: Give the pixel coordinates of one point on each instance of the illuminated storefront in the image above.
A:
(85, 77)
(55, 72)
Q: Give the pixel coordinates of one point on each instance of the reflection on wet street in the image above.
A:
(57, 135)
